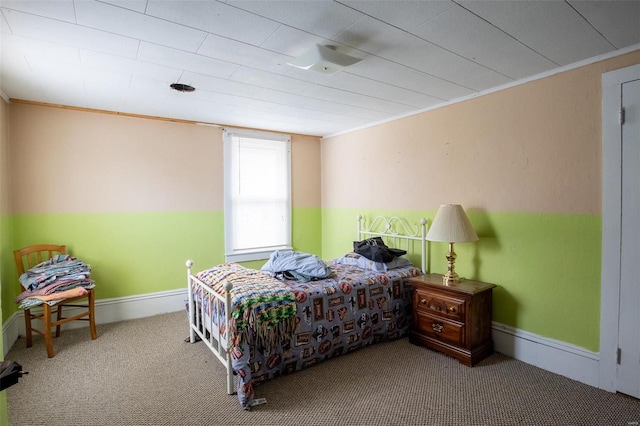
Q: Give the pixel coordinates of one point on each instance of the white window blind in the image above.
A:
(257, 194)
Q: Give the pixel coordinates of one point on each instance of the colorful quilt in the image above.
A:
(351, 309)
(263, 308)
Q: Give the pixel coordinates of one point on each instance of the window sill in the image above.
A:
(253, 255)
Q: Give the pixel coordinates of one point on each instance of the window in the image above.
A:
(257, 208)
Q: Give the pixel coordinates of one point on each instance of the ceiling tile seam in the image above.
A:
(396, 86)
(197, 49)
(561, 69)
(425, 73)
(591, 25)
(388, 23)
(376, 97)
(26, 60)
(283, 24)
(320, 85)
(300, 115)
(209, 33)
(142, 61)
(338, 89)
(239, 41)
(304, 81)
(138, 50)
(213, 92)
(283, 76)
(408, 89)
(181, 77)
(205, 32)
(261, 46)
(269, 36)
(78, 25)
(507, 34)
(369, 53)
(426, 41)
(6, 20)
(305, 97)
(353, 47)
(35, 14)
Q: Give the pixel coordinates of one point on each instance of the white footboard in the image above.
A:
(209, 317)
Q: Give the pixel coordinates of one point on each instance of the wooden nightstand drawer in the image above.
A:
(454, 319)
(438, 304)
(441, 329)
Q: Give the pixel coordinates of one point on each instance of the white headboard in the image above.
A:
(397, 232)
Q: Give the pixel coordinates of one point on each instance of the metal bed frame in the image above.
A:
(394, 230)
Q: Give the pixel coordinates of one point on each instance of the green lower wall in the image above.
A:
(138, 253)
(6, 262)
(546, 266)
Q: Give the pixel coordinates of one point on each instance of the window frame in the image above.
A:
(260, 253)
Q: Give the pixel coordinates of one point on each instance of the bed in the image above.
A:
(260, 326)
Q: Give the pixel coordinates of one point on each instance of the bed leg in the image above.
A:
(227, 309)
(192, 333)
(230, 390)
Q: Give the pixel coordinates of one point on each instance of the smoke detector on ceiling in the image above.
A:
(324, 59)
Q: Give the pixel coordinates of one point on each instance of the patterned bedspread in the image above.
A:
(263, 308)
(351, 309)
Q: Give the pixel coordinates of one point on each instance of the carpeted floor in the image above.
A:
(141, 372)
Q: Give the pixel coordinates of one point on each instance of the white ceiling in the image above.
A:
(122, 55)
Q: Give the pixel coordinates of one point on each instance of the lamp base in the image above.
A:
(450, 278)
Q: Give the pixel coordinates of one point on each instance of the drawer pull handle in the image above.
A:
(450, 309)
(437, 327)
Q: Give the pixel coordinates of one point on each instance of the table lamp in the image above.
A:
(451, 225)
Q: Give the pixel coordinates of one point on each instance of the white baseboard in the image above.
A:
(558, 357)
(11, 332)
(552, 355)
(108, 310)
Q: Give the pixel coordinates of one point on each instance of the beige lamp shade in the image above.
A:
(451, 225)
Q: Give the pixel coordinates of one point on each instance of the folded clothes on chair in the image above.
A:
(49, 281)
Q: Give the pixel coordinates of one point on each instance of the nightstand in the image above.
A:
(454, 319)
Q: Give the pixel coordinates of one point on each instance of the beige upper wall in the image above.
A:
(4, 158)
(305, 171)
(73, 161)
(535, 147)
(94, 162)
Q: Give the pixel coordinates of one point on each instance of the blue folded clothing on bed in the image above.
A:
(301, 266)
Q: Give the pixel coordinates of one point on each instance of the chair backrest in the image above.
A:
(30, 256)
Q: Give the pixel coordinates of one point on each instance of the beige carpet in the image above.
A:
(141, 372)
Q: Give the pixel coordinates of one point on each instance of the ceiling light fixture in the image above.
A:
(324, 59)
(182, 87)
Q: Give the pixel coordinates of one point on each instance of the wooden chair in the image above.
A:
(30, 256)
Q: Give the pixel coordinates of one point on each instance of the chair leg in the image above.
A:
(58, 318)
(27, 327)
(92, 317)
(48, 341)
